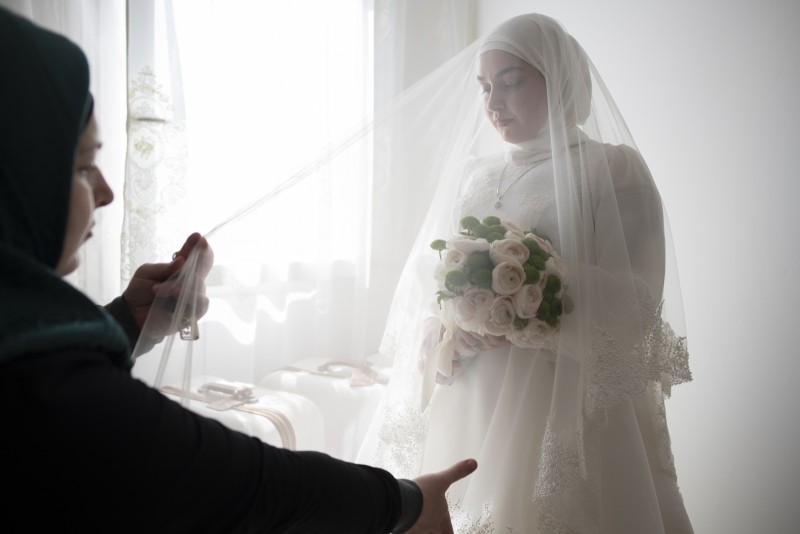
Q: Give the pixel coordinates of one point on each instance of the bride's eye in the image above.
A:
(510, 83)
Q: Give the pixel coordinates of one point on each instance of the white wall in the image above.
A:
(710, 92)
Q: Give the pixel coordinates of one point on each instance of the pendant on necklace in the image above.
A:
(497, 204)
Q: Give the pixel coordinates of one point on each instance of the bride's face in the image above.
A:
(514, 94)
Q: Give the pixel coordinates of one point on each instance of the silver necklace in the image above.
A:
(499, 196)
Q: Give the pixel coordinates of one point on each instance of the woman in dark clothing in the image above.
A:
(86, 446)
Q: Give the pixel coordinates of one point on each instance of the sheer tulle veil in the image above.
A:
(625, 335)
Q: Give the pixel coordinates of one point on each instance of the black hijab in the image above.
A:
(44, 106)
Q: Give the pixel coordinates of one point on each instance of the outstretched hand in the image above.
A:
(149, 280)
(435, 516)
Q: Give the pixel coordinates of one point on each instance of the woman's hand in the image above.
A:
(151, 279)
(435, 516)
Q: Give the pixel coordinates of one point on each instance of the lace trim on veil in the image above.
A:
(659, 356)
(567, 490)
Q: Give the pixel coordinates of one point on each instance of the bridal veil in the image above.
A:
(623, 340)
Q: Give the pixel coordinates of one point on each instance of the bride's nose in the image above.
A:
(494, 102)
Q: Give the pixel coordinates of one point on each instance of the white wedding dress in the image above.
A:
(496, 411)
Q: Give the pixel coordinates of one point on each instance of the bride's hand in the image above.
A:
(435, 516)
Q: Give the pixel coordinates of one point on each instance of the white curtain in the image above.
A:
(228, 100)
(213, 103)
(98, 27)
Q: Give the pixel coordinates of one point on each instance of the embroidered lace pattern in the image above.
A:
(569, 476)
(156, 170)
(566, 493)
(401, 440)
(658, 356)
(463, 523)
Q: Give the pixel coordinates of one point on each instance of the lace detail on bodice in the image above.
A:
(529, 202)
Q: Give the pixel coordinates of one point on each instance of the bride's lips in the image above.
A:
(500, 123)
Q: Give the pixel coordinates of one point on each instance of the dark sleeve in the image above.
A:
(138, 455)
(120, 312)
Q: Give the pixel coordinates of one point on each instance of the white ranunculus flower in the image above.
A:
(501, 317)
(472, 309)
(508, 250)
(454, 259)
(507, 278)
(555, 265)
(512, 230)
(536, 335)
(468, 245)
(527, 300)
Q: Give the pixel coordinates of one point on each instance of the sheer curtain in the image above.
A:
(205, 105)
(227, 100)
(98, 27)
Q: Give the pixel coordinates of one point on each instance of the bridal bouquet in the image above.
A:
(499, 284)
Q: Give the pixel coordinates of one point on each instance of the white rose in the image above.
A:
(468, 245)
(454, 259)
(527, 300)
(512, 230)
(507, 278)
(501, 316)
(508, 250)
(555, 265)
(472, 309)
(536, 335)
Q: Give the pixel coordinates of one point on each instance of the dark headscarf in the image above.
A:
(45, 105)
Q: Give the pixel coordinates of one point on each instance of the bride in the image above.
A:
(571, 435)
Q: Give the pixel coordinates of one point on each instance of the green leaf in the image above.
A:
(442, 296)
